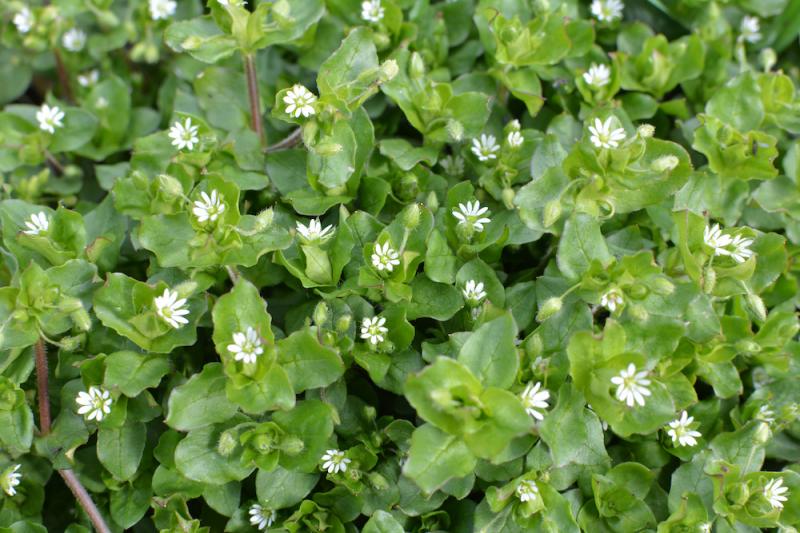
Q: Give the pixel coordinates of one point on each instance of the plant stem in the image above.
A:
(288, 142)
(67, 475)
(63, 77)
(252, 93)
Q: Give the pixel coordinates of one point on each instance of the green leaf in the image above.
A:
(308, 363)
(436, 457)
(281, 488)
(491, 353)
(120, 449)
(132, 372)
(581, 243)
(200, 401)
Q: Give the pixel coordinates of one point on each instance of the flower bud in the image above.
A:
(662, 286)
(292, 445)
(432, 201)
(709, 279)
(551, 306)
(645, 131)
(343, 323)
(226, 444)
(320, 313)
(81, 319)
(169, 186)
(416, 69)
(767, 57)
(508, 197)
(411, 216)
(756, 305)
(389, 70)
(455, 129)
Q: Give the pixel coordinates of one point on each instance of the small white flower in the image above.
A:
(184, 135)
(473, 292)
(74, 40)
(741, 249)
(314, 231)
(209, 207)
(776, 493)
(261, 517)
(371, 10)
(453, 165)
(515, 139)
(236, 3)
(162, 9)
(384, 257)
(171, 308)
(300, 101)
(612, 300)
(766, 414)
(49, 118)
(89, 78)
(23, 20)
(607, 10)
(485, 147)
(10, 479)
(714, 238)
(706, 527)
(597, 76)
(472, 213)
(602, 135)
(680, 432)
(534, 398)
(94, 404)
(631, 386)
(750, 29)
(334, 461)
(246, 346)
(527, 490)
(373, 330)
(37, 224)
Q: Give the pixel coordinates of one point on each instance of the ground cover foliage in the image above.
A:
(399, 265)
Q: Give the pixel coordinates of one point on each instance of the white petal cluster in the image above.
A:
(384, 257)
(37, 224)
(738, 247)
(89, 78)
(299, 102)
(527, 490)
(515, 139)
(750, 29)
(235, 3)
(209, 207)
(171, 308)
(473, 292)
(314, 232)
(485, 147)
(602, 136)
(631, 386)
(534, 398)
(94, 404)
(246, 346)
(74, 40)
(472, 213)
(612, 300)
(23, 20)
(11, 479)
(373, 330)
(597, 76)
(372, 11)
(261, 517)
(776, 493)
(49, 118)
(453, 165)
(334, 461)
(184, 135)
(607, 10)
(680, 431)
(161, 9)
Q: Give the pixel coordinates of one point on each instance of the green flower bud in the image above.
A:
(767, 57)
(226, 444)
(756, 306)
(411, 216)
(709, 279)
(389, 70)
(645, 131)
(416, 69)
(738, 493)
(508, 197)
(81, 319)
(72, 343)
(343, 323)
(637, 291)
(169, 186)
(292, 445)
(551, 306)
(455, 129)
(432, 201)
(662, 286)
(407, 188)
(320, 313)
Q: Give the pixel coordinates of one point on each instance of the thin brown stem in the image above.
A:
(85, 500)
(288, 142)
(63, 77)
(252, 93)
(55, 163)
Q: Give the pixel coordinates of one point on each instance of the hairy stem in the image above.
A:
(252, 93)
(63, 77)
(85, 500)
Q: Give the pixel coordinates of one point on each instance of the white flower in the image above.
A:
(89, 78)
(766, 414)
(236, 3)
(37, 224)
(603, 137)
(95, 404)
(171, 308)
(371, 10)
(209, 207)
(472, 213)
(184, 135)
(750, 29)
(631, 386)
(534, 398)
(680, 432)
(607, 10)
(261, 517)
(300, 101)
(10, 479)
(485, 147)
(776, 493)
(334, 461)
(74, 40)
(473, 292)
(49, 118)
(372, 329)
(23, 20)
(741, 249)
(246, 346)
(597, 76)
(162, 9)
(314, 231)
(453, 165)
(612, 299)
(527, 490)
(515, 139)
(706, 527)
(714, 238)
(384, 257)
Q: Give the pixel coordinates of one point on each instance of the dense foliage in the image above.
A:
(399, 265)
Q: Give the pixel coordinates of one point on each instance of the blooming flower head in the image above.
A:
(162, 9)
(314, 231)
(94, 404)
(10, 479)
(485, 147)
(473, 292)
(171, 308)
(246, 346)
(236, 3)
(453, 165)
(631, 386)
(750, 29)
(261, 517)
(334, 461)
(89, 78)
(23, 20)
(37, 224)
(776, 493)
(515, 139)
(209, 207)
(534, 398)
(607, 10)
(597, 76)
(49, 118)
(741, 249)
(472, 213)
(680, 431)
(714, 238)
(371, 10)
(74, 40)
(602, 136)
(384, 257)
(612, 300)
(527, 490)
(766, 414)
(299, 102)
(373, 330)
(184, 135)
